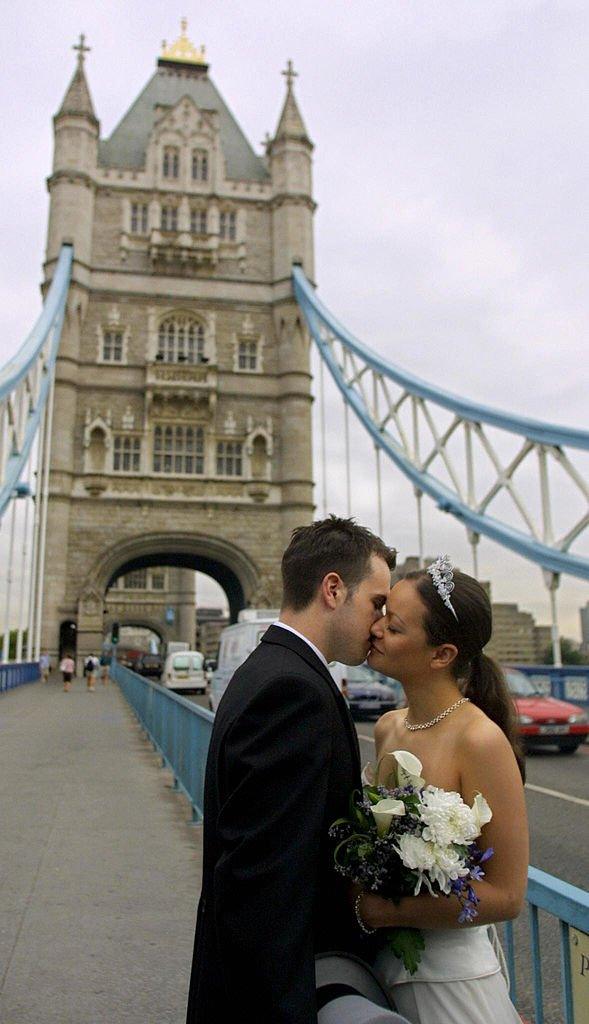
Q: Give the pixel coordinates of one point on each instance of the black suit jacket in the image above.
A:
(282, 762)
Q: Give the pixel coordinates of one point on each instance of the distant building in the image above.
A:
(514, 637)
(543, 636)
(584, 613)
(209, 624)
(158, 600)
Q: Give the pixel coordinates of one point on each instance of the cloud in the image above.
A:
(451, 147)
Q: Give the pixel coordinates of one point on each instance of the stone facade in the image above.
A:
(161, 599)
(182, 429)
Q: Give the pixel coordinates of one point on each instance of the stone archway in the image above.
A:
(139, 621)
(226, 563)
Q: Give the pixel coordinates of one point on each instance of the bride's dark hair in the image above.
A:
(479, 676)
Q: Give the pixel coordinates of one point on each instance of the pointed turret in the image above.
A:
(75, 152)
(77, 99)
(289, 155)
(291, 124)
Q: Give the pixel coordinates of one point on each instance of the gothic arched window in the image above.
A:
(171, 162)
(181, 339)
(200, 165)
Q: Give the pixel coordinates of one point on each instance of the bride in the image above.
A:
(460, 723)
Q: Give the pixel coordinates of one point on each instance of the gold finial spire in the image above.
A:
(290, 74)
(81, 49)
(183, 51)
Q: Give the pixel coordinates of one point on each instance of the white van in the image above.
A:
(236, 643)
(173, 646)
(184, 670)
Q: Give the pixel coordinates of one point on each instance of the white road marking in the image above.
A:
(555, 792)
(529, 785)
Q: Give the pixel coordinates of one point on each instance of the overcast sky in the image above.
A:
(450, 172)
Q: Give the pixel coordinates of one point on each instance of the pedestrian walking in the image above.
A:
(105, 660)
(67, 669)
(44, 666)
(90, 670)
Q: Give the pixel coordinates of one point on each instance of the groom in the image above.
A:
(282, 762)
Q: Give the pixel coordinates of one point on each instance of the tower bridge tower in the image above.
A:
(181, 425)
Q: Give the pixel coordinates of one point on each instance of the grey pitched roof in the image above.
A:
(127, 145)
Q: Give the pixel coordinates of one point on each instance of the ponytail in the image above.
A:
(486, 687)
(469, 627)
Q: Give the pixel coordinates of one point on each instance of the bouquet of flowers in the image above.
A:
(405, 837)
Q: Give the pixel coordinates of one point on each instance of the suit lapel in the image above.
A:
(284, 638)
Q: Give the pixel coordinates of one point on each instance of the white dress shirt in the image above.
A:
(307, 641)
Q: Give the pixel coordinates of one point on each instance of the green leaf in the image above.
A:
(372, 794)
(407, 945)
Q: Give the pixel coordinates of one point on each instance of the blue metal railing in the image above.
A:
(13, 674)
(571, 682)
(179, 730)
(570, 906)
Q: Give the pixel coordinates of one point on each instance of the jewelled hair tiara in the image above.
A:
(442, 575)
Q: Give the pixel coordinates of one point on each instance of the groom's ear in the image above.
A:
(443, 656)
(332, 589)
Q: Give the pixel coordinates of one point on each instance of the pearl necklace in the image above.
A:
(438, 718)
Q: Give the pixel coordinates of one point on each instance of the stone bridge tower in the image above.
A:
(182, 429)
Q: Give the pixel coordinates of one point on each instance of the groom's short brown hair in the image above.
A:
(328, 545)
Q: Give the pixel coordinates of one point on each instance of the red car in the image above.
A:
(544, 720)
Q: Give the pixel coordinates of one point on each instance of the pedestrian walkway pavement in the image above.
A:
(99, 865)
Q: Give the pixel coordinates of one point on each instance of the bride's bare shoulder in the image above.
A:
(389, 723)
(482, 739)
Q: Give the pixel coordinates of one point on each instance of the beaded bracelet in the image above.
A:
(363, 927)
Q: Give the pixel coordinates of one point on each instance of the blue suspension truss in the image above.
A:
(543, 438)
(25, 382)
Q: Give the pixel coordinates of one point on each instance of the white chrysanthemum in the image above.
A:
(447, 818)
(434, 863)
(415, 853)
(447, 867)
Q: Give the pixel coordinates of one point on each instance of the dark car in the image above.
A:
(129, 657)
(545, 720)
(149, 665)
(368, 694)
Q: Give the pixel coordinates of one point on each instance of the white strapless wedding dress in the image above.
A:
(459, 980)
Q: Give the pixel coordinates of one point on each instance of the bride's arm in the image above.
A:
(488, 766)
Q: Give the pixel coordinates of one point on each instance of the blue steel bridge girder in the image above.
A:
(25, 383)
(537, 437)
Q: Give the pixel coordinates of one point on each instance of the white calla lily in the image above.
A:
(481, 810)
(409, 769)
(384, 812)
